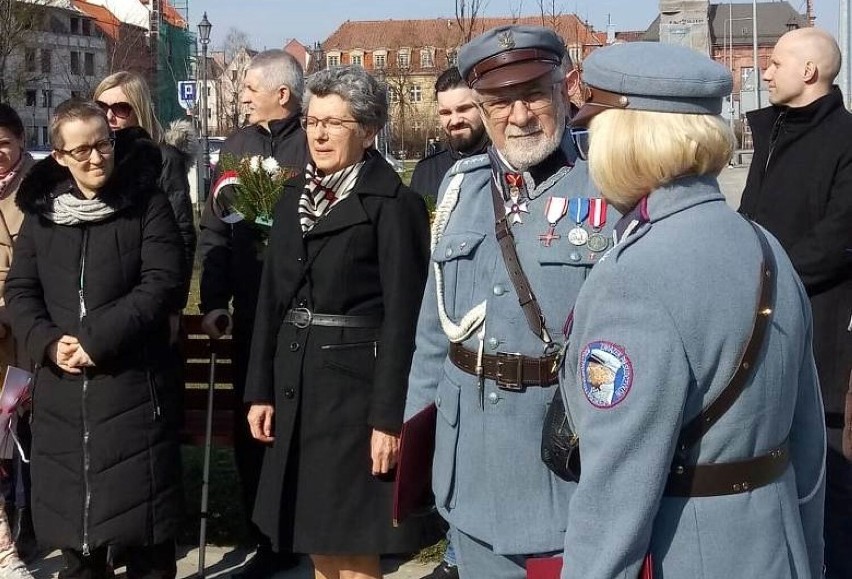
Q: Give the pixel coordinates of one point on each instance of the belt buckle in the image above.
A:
(510, 360)
(302, 317)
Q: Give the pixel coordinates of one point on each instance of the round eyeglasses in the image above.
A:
(536, 100)
(84, 152)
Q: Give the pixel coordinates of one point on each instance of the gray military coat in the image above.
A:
(658, 330)
(488, 477)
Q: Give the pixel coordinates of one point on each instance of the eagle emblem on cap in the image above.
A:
(506, 40)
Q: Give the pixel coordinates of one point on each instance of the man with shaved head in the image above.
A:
(800, 188)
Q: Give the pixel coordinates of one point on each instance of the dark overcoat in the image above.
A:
(332, 386)
(105, 453)
(800, 188)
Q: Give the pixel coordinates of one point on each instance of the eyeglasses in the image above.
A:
(121, 110)
(581, 140)
(84, 152)
(333, 125)
(536, 99)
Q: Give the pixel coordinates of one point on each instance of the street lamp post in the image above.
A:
(204, 37)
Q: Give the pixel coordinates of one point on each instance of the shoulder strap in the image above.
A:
(526, 297)
(698, 426)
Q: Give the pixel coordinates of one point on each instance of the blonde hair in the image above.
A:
(632, 153)
(138, 96)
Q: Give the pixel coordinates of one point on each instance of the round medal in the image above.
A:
(598, 242)
(578, 236)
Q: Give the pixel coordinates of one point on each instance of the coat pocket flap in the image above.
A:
(447, 401)
(456, 245)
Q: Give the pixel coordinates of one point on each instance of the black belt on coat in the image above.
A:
(728, 478)
(509, 371)
(303, 317)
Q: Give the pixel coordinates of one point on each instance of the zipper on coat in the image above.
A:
(773, 136)
(87, 499)
(155, 398)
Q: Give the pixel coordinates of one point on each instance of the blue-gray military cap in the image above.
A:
(651, 76)
(508, 55)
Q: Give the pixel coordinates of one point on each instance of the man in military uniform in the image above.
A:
(463, 130)
(487, 345)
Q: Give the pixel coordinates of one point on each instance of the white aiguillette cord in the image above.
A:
(456, 333)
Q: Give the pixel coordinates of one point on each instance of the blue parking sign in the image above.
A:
(187, 93)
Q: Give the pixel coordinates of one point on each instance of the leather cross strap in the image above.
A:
(526, 297)
(698, 426)
(509, 371)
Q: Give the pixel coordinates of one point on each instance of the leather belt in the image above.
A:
(728, 478)
(510, 371)
(303, 317)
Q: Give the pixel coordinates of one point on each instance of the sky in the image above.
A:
(269, 23)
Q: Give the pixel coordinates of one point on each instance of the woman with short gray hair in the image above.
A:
(334, 337)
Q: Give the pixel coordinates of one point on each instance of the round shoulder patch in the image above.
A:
(606, 373)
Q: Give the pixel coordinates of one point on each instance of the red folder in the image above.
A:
(551, 568)
(412, 490)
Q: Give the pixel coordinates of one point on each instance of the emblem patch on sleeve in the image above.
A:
(606, 373)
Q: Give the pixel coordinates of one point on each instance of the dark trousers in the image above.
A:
(838, 516)
(153, 562)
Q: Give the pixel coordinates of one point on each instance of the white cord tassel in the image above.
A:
(473, 319)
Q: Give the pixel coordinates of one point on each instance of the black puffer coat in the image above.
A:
(105, 454)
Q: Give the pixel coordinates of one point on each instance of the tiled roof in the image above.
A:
(104, 19)
(439, 32)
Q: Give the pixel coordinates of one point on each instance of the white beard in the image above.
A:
(525, 152)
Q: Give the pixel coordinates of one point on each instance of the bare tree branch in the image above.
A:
(17, 21)
(467, 13)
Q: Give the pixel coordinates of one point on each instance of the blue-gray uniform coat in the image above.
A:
(670, 309)
(488, 477)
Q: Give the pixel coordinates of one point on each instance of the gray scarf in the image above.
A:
(70, 210)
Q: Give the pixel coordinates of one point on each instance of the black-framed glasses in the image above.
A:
(84, 152)
(581, 140)
(330, 124)
(536, 99)
(122, 110)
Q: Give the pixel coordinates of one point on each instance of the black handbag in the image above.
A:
(560, 446)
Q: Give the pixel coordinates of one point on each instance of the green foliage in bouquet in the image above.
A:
(260, 186)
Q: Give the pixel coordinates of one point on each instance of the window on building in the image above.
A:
(452, 57)
(87, 27)
(415, 93)
(46, 58)
(45, 136)
(75, 26)
(75, 62)
(393, 95)
(30, 59)
(417, 125)
(46, 98)
(332, 60)
(357, 60)
(746, 80)
(31, 98)
(403, 59)
(32, 137)
(90, 64)
(426, 60)
(380, 60)
(75, 94)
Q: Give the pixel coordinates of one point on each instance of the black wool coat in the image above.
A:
(802, 193)
(330, 385)
(105, 453)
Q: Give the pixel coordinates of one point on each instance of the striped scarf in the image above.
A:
(322, 192)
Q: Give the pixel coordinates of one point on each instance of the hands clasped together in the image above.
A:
(69, 355)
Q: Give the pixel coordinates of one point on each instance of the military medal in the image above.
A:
(579, 209)
(554, 210)
(597, 218)
(516, 203)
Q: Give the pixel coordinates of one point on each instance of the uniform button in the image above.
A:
(575, 256)
(294, 346)
(300, 259)
(493, 398)
(438, 401)
(499, 290)
(493, 343)
(303, 302)
(289, 393)
(463, 244)
(449, 252)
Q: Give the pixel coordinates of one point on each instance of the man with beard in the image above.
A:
(490, 337)
(463, 129)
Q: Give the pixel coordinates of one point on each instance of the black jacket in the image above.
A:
(105, 455)
(231, 255)
(802, 194)
(430, 171)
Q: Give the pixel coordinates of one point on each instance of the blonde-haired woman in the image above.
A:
(125, 98)
(667, 314)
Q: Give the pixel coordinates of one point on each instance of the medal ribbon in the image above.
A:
(554, 210)
(515, 180)
(579, 209)
(597, 212)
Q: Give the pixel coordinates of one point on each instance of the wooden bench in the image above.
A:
(197, 352)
